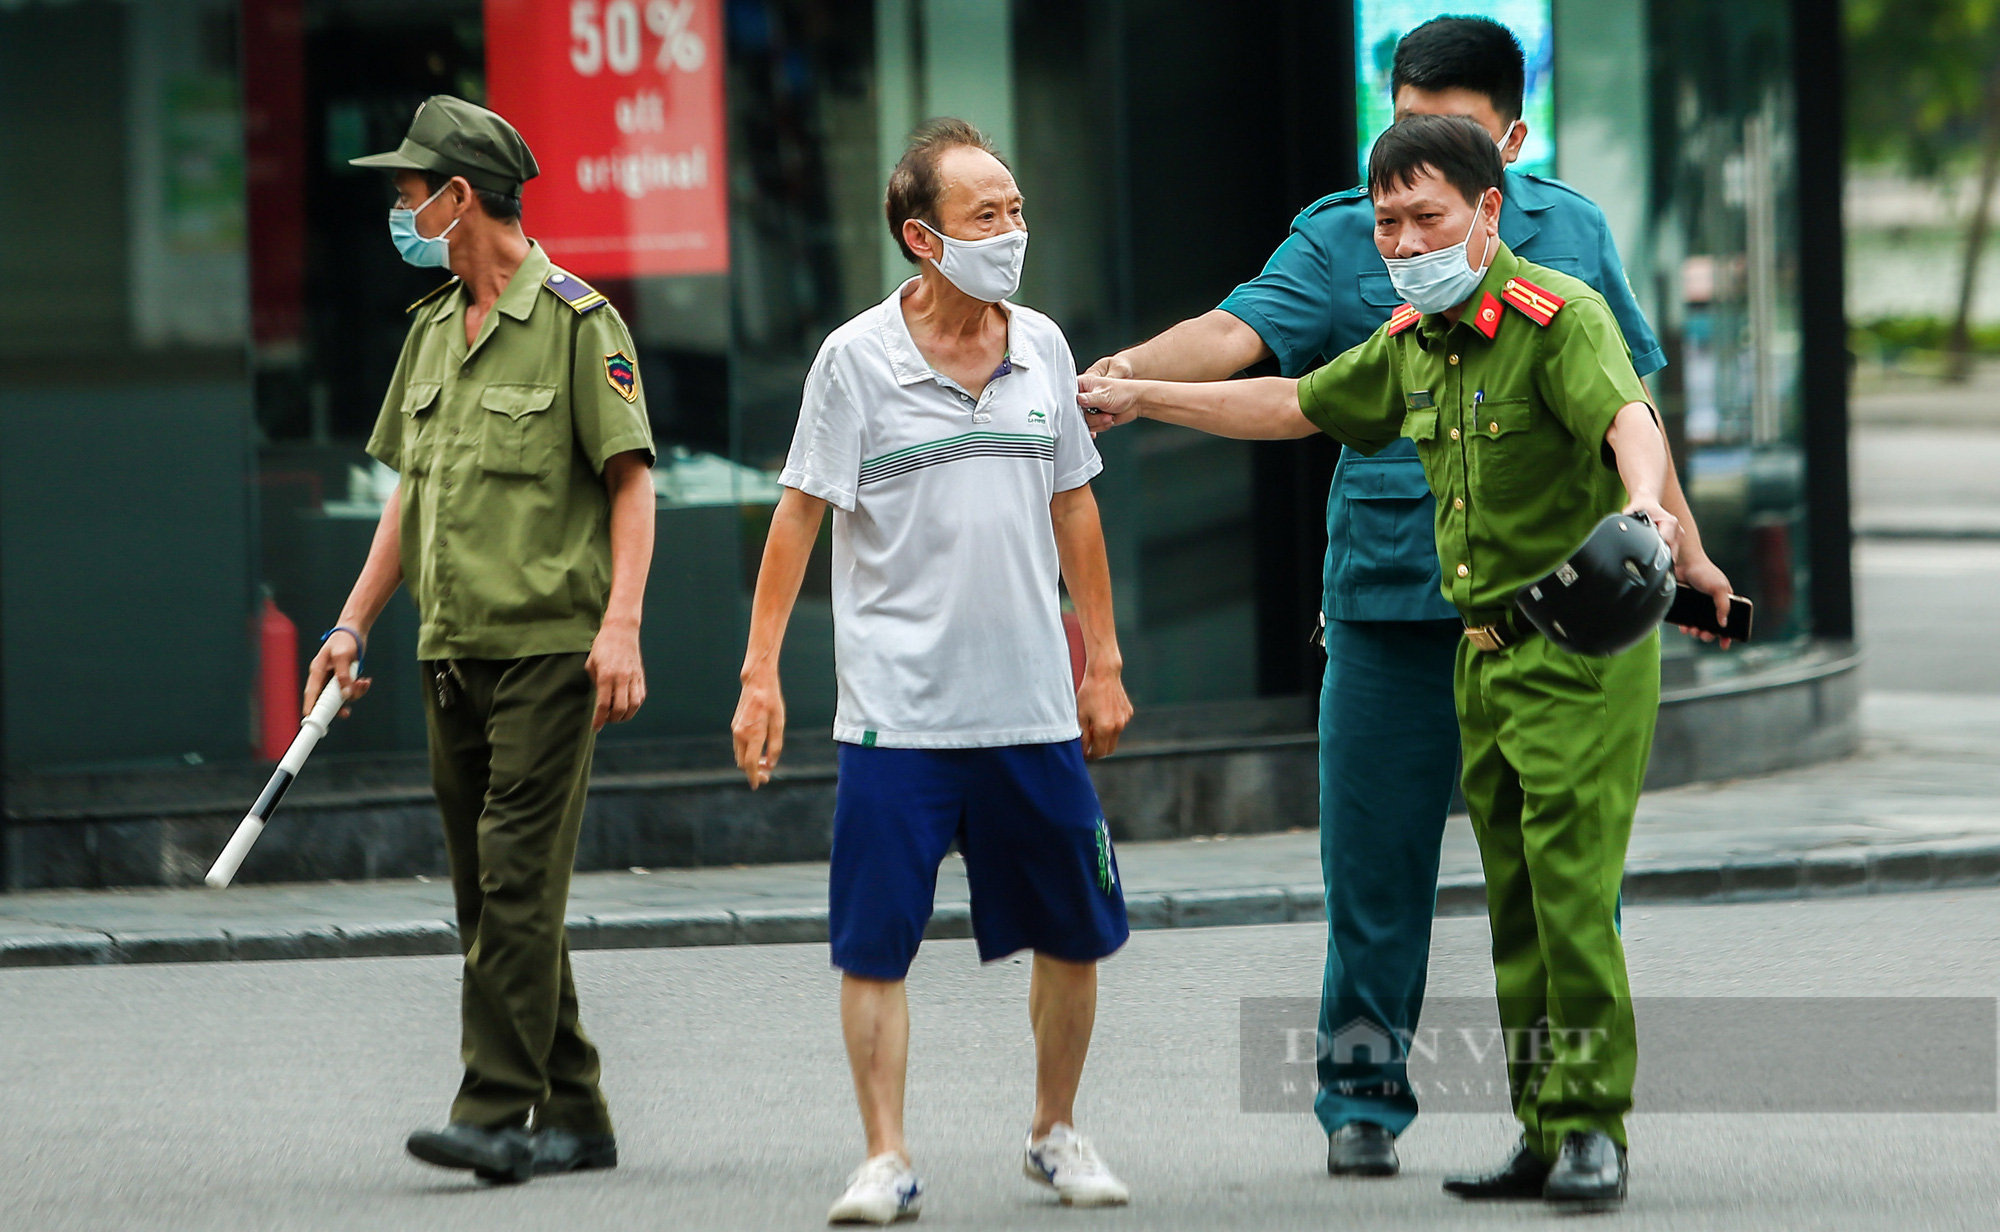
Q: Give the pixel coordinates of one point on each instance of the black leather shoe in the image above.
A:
(1361, 1148)
(560, 1150)
(505, 1155)
(1589, 1173)
(1520, 1177)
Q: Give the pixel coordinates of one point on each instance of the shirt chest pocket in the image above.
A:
(1505, 462)
(517, 434)
(1389, 521)
(1421, 425)
(419, 426)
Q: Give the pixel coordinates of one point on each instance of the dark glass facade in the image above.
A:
(202, 310)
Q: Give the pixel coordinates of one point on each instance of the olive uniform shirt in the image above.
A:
(1509, 428)
(506, 525)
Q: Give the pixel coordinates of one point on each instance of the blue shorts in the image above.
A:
(1037, 854)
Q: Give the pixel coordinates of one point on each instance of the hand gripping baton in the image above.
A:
(252, 825)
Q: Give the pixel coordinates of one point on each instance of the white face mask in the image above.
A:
(988, 269)
(1442, 278)
(1504, 137)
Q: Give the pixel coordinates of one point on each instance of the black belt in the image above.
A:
(1506, 630)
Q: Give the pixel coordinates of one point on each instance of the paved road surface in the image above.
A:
(274, 1095)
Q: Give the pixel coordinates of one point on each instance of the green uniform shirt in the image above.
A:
(506, 530)
(1510, 429)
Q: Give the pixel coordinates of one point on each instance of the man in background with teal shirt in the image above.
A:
(1389, 743)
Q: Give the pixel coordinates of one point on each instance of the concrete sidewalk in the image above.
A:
(1916, 809)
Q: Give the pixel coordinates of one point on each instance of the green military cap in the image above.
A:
(453, 137)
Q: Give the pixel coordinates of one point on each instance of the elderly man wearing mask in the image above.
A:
(942, 426)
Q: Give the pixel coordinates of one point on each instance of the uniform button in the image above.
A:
(1464, 572)
(1453, 359)
(1458, 502)
(1454, 434)
(1493, 427)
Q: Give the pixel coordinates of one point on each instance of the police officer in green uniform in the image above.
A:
(1388, 727)
(523, 524)
(1518, 391)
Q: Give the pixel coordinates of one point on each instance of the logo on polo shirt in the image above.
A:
(1037, 417)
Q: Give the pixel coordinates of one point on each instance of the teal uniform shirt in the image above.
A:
(1325, 290)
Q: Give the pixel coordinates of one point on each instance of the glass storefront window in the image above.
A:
(1726, 262)
(215, 309)
(125, 506)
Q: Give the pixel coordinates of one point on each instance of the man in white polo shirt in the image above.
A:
(943, 428)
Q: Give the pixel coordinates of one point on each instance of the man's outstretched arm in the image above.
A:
(1264, 409)
(759, 725)
(1211, 347)
(1102, 709)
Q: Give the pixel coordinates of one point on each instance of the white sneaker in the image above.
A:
(883, 1190)
(1067, 1163)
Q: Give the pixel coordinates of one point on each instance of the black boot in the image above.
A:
(1589, 1173)
(1520, 1177)
(1361, 1148)
(561, 1150)
(505, 1154)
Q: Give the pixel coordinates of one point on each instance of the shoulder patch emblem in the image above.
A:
(622, 375)
(1535, 304)
(574, 291)
(433, 294)
(1487, 319)
(1402, 319)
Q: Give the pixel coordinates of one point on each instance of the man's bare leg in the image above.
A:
(1062, 1005)
(875, 1019)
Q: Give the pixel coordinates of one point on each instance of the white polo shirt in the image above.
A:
(946, 620)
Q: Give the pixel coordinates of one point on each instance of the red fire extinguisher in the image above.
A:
(277, 681)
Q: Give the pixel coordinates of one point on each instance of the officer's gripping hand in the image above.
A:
(1107, 401)
(759, 726)
(1116, 366)
(1665, 524)
(1102, 711)
(618, 672)
(336, 658)
(1699, 573)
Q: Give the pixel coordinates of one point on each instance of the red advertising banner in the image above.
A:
(621, 101)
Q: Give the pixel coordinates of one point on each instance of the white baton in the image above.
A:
(252, 825)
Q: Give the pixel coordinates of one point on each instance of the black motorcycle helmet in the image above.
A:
(1610, 594)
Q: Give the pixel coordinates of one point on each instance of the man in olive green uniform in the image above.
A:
(523, 524)
(1516, 386)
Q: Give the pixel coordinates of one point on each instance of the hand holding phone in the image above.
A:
(1697, 611)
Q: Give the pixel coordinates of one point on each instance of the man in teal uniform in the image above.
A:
(1389, 742)
(1530, 425)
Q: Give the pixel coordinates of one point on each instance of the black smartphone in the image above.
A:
(1697, 611)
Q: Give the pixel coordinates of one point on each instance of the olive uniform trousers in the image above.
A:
(510, 744)
(1555, 749)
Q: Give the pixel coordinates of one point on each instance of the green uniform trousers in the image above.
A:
(511, 744)
(1555, 751)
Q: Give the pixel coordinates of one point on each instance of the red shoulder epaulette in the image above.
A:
(1535, 304)
(1402, 319)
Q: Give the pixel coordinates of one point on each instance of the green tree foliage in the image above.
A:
(1924, 91)
(1918, 77)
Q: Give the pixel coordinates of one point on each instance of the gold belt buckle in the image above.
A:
(1484, 637)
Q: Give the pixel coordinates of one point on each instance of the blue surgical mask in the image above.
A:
(1440, 279)
(424, 252)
